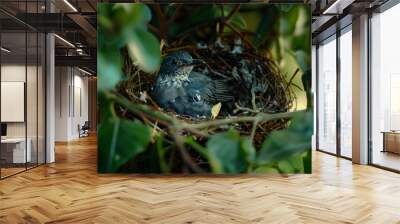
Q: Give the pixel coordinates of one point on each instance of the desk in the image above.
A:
(16, 147)
(391, 141)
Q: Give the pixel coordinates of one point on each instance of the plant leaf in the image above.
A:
(215, 110)
(144, 50)
(109, 67)
(282, 144)
(238, 21)
(228, 153)
(120, 140)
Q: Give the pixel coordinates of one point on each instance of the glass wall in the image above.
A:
(385, 89)
(13, 94)
(22, 98)
(346, 92)
(327, 95)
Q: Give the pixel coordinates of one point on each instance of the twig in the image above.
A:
(260, 116)
(253, 130)
(253, 100)
(185, 156)
(238, 108)
(291, 78)
(161, 20)
(231, 13)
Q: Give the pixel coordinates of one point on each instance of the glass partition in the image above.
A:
(14, 153)
(327, 95)
(22, 77)
(32, 96)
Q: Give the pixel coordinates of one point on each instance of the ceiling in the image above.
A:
(75, 22)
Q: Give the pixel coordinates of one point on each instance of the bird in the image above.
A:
(187, 92)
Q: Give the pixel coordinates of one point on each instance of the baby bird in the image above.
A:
(187, 92)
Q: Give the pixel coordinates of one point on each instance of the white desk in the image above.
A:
(18, 145)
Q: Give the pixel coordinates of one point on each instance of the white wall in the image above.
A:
(71, 102)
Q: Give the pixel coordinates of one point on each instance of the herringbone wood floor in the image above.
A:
(70, 191)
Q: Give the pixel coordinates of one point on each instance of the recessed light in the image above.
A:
(84, 71)
(70, 5)
(5, 50)
(64, 40)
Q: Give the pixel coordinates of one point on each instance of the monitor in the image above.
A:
(3, 129)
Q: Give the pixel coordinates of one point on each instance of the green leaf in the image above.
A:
(144, 50)
(238, 21)
(248, 149)
(296, 162)
(307, 161)
(126, 14)
(228, 152)
(285, 167)
(109, 69)
(106, 107)
(288, 20)
(120, 140)
(266, 169)
(161, 152)
(303, 60)
(267, 26)
(282, 144)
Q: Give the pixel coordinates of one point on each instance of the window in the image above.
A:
(327, 96)
(385, 89)
(346, 92)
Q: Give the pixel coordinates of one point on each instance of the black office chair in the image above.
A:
(84, 130)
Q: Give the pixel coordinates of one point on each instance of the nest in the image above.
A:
(220, 58)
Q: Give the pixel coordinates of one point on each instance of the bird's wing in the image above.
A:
(202, 88)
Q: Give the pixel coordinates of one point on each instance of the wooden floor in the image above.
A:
(70, 191)
(386, 159)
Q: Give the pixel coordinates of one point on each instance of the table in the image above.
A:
(391, 141)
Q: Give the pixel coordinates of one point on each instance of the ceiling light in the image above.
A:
(329, 9)
(65, 41)
(5, 50)
(70, 5)
(84, 71)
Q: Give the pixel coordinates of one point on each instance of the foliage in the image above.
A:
(124, 25)
(130, 30)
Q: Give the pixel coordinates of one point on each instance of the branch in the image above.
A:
(261, 117)
(231, 13)
(185, 156)
(161, 21)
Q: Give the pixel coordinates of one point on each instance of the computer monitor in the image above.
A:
(3, 129)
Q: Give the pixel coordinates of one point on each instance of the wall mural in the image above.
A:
(209, 88)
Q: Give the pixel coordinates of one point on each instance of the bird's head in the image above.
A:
(179, 63)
